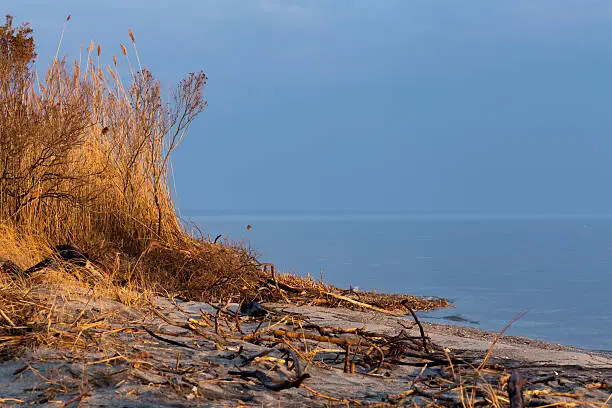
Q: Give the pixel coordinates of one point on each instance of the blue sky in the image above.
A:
(496, 107)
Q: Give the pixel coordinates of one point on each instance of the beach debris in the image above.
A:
(271, 338)
(252, 309)
(216, 353)
(64, 257)
(66, 253)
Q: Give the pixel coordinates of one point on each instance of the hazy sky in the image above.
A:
(480, 106)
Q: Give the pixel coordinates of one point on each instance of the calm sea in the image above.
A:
(491, 269)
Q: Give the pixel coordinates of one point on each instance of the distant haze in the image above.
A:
(495, 107)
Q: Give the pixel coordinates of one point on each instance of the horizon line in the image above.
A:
(331, 214)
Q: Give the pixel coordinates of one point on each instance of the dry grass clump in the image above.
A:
(56, 309)
(83, 156)
(52, 306)
(23, 249)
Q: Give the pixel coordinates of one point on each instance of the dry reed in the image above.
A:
(85, 157)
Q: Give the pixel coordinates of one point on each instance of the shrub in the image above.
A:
(84, 157)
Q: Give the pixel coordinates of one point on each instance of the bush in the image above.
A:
(84, 157)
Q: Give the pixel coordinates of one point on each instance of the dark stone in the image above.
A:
(253, 309)
(71, 254)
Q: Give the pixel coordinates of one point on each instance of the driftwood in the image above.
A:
(169, 341)
(310, 336)
(269, 382)
(515, 390)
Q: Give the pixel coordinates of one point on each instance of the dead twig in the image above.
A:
(330, 398)
(310, 336)
(499, 336)
(361, 304)
(279, 285)
(5, 317)
(77, 399)
(416, 319)
(347, 359)
(169, 341)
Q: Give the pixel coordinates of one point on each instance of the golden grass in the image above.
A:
(84, 157)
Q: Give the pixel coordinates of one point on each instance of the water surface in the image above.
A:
(492, 269)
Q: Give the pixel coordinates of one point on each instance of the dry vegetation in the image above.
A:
(85, 159)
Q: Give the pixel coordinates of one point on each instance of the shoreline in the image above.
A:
(464, 338)
(485, 334)
(190, 353)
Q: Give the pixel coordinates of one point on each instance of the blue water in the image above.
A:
(491, 269)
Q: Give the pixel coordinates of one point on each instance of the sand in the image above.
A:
(138, 358)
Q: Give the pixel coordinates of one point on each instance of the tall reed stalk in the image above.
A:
(84, 151)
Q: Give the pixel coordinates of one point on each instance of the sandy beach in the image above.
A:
(180, 353)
